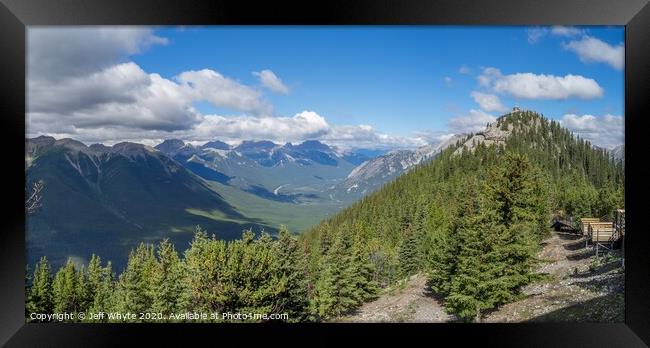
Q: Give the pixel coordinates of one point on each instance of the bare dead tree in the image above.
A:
(33, 198)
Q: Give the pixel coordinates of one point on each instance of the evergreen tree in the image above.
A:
(467, 296)
(293, 298)
(363, 271)
(134, 290)
(334, 291)
(64, 289)
(101, 280)
(167, 280)
(409, 254)
(40, 292)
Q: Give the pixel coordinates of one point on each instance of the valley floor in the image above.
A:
(579, 287)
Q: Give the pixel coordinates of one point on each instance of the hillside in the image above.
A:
(578, 287)
(108, 199)
(287, 173)
(472, 225)
(474, 204)
(374, 173)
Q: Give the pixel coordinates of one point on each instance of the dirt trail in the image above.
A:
(577, 288)
(414, 304)
(580, 286)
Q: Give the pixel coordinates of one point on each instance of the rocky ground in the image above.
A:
(576, 286)
(411, 302)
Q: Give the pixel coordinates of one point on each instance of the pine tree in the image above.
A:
(334, 291)
(292, 261)
(204, 262)
(134, 291)
(363, 277)
(167, 280)
(82, 295)
(467, 290)
(40, 292)
(409, 253)
(64, 289)
(101, 280)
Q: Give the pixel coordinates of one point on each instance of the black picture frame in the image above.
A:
(15, 15)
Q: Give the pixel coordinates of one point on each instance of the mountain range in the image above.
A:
(110, 198)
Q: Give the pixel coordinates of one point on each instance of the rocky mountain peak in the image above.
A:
(170, 145)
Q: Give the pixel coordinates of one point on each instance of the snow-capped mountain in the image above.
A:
(372, 174)
(618, 152)
(284, 172)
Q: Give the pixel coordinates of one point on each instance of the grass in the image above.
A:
(297, 217)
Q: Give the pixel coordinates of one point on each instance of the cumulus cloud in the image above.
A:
(302, 126)
(211, 86)
(605, 131)
(271, 81)
(474, 121)
(465, 70)
(533, 86)
(55, 53)
(488, 102)
(590, 49)
(82, 85)
(122, 94)
(365, 136)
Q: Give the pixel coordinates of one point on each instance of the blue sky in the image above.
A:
(355, 86)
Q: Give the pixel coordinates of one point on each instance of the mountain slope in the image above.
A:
(108, 199)
(284, 173)
(426, 200)
(374, 173)
(618, 152)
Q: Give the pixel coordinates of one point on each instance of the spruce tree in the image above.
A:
(64, 289)
(134, 292)
(40, 292)
(167, 280)
(334, 291)
(292, 270)
(409, 253)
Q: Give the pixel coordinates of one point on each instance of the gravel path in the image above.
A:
(577, 288)
(412, 304)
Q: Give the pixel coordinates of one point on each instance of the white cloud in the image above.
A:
(125, 95)
(605, 131)
(448, 80)
(302, 126)
(58, 52)
(488, 102)
(365, 136)
(82, 85)
(271, 81)
(213, 87)
(590, 49)
(465, 70)
(560, 30)
(474, 121)
(122, 94)
(535, 34)
(532, 86)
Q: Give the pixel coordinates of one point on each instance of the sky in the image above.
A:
(384, 87)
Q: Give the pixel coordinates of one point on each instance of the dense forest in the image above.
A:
(471, 220)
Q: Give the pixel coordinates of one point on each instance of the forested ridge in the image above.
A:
(471, 220)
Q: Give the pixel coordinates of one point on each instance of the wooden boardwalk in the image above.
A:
(604, 234)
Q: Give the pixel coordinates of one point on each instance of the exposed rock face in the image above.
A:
(618, 152)
(493, 134)
(373, 173)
